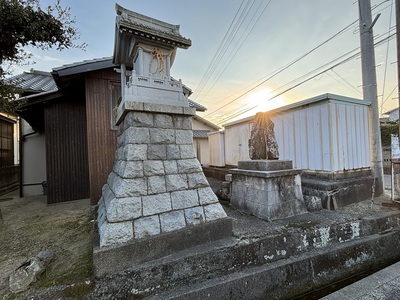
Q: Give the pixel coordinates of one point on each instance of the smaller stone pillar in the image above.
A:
(268, 189)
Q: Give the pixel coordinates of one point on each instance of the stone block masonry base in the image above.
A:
(269, 195)
(157, 186)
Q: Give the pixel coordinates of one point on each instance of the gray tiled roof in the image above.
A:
(39, 81)
(196, 105)
(34, 81)
(200, 133)
(84, 66)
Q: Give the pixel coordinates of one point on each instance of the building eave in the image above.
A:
(206, 122)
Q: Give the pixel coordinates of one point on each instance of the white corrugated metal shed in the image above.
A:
(326, 133)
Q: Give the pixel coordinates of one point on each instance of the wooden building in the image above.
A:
(8, 153)
(69, 146)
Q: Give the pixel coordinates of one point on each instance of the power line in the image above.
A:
(345, 60)
(387, 55)
(226, 41)
(280, 70)
(348, 84)
(387, 98)
(240, 46)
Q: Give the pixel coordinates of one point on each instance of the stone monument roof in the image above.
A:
(151, 29)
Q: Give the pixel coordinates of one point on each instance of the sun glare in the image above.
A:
(260, 99)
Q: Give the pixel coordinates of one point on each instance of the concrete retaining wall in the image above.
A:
(312, 252)
(283, 280)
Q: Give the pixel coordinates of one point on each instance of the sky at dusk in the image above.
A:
(247, 56)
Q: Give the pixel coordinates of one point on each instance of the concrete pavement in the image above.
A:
(382, 285)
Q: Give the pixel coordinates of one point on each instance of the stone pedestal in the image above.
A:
(268, 189)
(157, 193)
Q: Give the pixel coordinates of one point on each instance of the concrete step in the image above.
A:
(288, 278)
(283, 257)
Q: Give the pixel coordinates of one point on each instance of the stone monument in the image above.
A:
(265, 186)
(262, 142)
(156, 200)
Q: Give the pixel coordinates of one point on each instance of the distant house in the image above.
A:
(201, 129)
(392, 115)
(69, 136)
(31, 82)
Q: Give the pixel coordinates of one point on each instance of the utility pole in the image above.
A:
(397, 4)
(370, 93)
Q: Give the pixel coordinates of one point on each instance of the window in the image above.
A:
(115, 88)
(6, 144)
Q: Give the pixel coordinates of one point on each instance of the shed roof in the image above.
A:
(313, 100)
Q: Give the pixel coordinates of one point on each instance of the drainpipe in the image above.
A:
(21, 194)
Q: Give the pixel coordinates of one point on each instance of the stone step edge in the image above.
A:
(297, 275)
(233, 255)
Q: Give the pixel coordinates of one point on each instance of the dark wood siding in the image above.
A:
(101, 137)
(6, 144)
(66, 149)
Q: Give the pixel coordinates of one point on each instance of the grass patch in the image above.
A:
(81, 270)
(78, 290)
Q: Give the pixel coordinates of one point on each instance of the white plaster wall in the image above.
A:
(34, 161)
(196, 125)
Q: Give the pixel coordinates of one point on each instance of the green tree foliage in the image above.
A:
(26, 23)
(386, 131)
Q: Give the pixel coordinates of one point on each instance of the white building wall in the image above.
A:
(237, 143)
(201, 145)
(328, 136)
(216, 142)
(34, 161)
(196, 125)
(202, 151)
